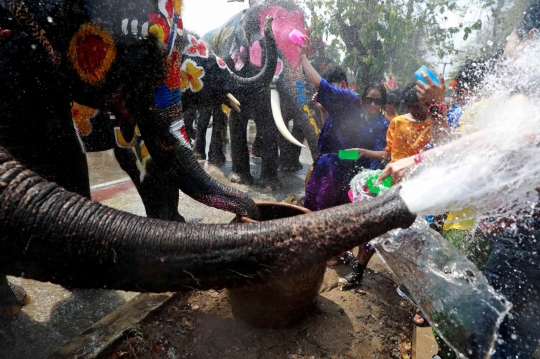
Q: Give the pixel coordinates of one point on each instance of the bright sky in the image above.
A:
(202, 16)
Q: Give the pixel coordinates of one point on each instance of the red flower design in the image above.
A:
(197, 47)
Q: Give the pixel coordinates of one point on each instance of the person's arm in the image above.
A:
(429, 94)
(310, 72)
(374, 155)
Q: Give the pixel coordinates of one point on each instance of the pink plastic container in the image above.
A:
(296, 37)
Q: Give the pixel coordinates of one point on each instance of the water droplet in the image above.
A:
(33, 46)
(49, 19)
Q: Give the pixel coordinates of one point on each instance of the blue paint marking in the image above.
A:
(300, 89)
(165, 97)
(172, 32)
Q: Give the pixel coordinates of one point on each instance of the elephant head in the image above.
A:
(50, 234)
(106, 55)
(292, 91)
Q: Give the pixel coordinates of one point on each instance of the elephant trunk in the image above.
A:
(49, 234)
(240, 84)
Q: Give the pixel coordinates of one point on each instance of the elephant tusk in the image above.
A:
(234, 102)
(278, 118)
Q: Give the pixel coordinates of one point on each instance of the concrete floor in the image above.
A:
(56, 314)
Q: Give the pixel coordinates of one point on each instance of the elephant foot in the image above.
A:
(218, 162)
(199, 156)
(245, 178)
(271, 184)
(291, 167)
(12, 298)
(217, 158)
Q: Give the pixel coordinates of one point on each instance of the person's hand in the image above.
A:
(316, 102)
(430, 93)
(397, 170)
(302, 49)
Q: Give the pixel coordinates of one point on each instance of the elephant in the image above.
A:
(209, 84)
(238, 42)
(53, 232)
(105, 55)
(57, 51)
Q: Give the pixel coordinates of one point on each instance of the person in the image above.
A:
(512, 267)
(407, 135)
(350, 123)
(392, 102)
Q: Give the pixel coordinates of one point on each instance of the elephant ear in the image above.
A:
(91, 53)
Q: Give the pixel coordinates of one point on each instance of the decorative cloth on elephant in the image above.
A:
(345, 127)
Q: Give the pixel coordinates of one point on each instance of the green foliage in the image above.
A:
(387, 37)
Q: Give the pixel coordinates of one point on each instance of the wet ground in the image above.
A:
(366, 323)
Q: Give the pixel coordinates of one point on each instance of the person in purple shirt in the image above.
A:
(350, 123)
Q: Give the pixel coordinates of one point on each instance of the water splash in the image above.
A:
(453, 294)
(497, 166)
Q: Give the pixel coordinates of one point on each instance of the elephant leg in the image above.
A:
(240, 172)
(270, 155)
(12, 297)
(158, 192)
(289, 154)
(215, 154)
(202, 127)
(257, 146)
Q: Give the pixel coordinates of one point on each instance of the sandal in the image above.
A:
(417, 322)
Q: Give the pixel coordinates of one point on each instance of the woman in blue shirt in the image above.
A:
(351, 122)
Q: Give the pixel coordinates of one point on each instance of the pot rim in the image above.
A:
(244, 219)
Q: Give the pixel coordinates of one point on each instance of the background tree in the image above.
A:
(502, 15)
(392, 37)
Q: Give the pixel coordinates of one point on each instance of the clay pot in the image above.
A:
(277, 303)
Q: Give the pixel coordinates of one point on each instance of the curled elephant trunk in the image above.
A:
(264, 77)
(50, 234)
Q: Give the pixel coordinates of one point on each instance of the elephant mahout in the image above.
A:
(56, 234)
(239, 41)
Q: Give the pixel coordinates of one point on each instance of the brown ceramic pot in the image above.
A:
(278, 303)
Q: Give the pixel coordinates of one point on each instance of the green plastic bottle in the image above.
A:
(351, 155)
(373, 188)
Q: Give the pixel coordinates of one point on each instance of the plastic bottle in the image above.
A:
(427, 71)
(296, 37)
(351, 155)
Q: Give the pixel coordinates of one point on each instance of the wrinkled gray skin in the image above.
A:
(50, 234)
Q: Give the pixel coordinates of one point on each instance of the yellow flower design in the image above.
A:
(190, 76)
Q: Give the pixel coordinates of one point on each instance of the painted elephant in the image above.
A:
(239, 43)
(51, 234)
(206, 82)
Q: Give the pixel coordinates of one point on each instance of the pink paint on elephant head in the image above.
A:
(284, 22)
(255, 53)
